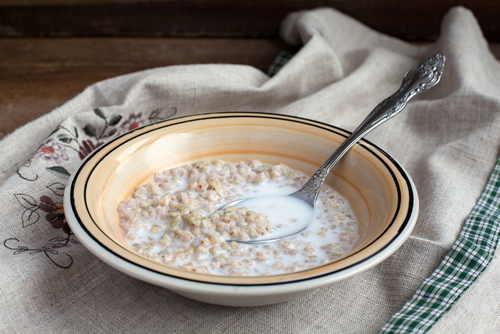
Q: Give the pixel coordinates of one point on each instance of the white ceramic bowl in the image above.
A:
(381, 193)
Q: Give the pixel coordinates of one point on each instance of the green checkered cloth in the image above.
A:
(281, 59)
(466, 260)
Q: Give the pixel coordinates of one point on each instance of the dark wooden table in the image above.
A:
(37, 75)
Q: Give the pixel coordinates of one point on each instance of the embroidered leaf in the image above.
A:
(90, 130)
(29, 217)
(43, 249)
(55, 219)
(85, 148)
(47, 204)
(57, 239)
(115, 119)
(8, 241)
(57, 188)
(59, 171)
(26, 201)
(101, 112)
(154, 116)
(33, 178)
(67, 266)
(55, 130)
(21, 249)
(64, 138)
(112, 132)
(75, 132)
(23, 175)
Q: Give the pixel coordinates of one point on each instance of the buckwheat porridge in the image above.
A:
(174, 220)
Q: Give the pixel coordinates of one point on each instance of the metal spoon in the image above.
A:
(422, 77)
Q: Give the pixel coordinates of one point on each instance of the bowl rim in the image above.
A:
(182, 283)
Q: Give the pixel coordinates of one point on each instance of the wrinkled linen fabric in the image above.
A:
(448, 140)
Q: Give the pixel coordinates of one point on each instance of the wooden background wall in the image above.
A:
(410, 20)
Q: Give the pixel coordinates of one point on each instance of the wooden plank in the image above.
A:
(137, 52)
(410, 20)
(37, 75)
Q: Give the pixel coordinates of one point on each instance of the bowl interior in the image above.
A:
(371, 181)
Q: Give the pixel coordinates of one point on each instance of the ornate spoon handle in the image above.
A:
(422, 77)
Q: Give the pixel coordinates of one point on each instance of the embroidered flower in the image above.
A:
(55, 213)
(86, 147)
(52, 150)
(133, 122)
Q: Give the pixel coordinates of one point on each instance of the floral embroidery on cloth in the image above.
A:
(62, 152)
(52, 150)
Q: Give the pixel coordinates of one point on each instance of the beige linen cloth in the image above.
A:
(448, 139)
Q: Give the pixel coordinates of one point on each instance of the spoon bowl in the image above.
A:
(419, 79)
